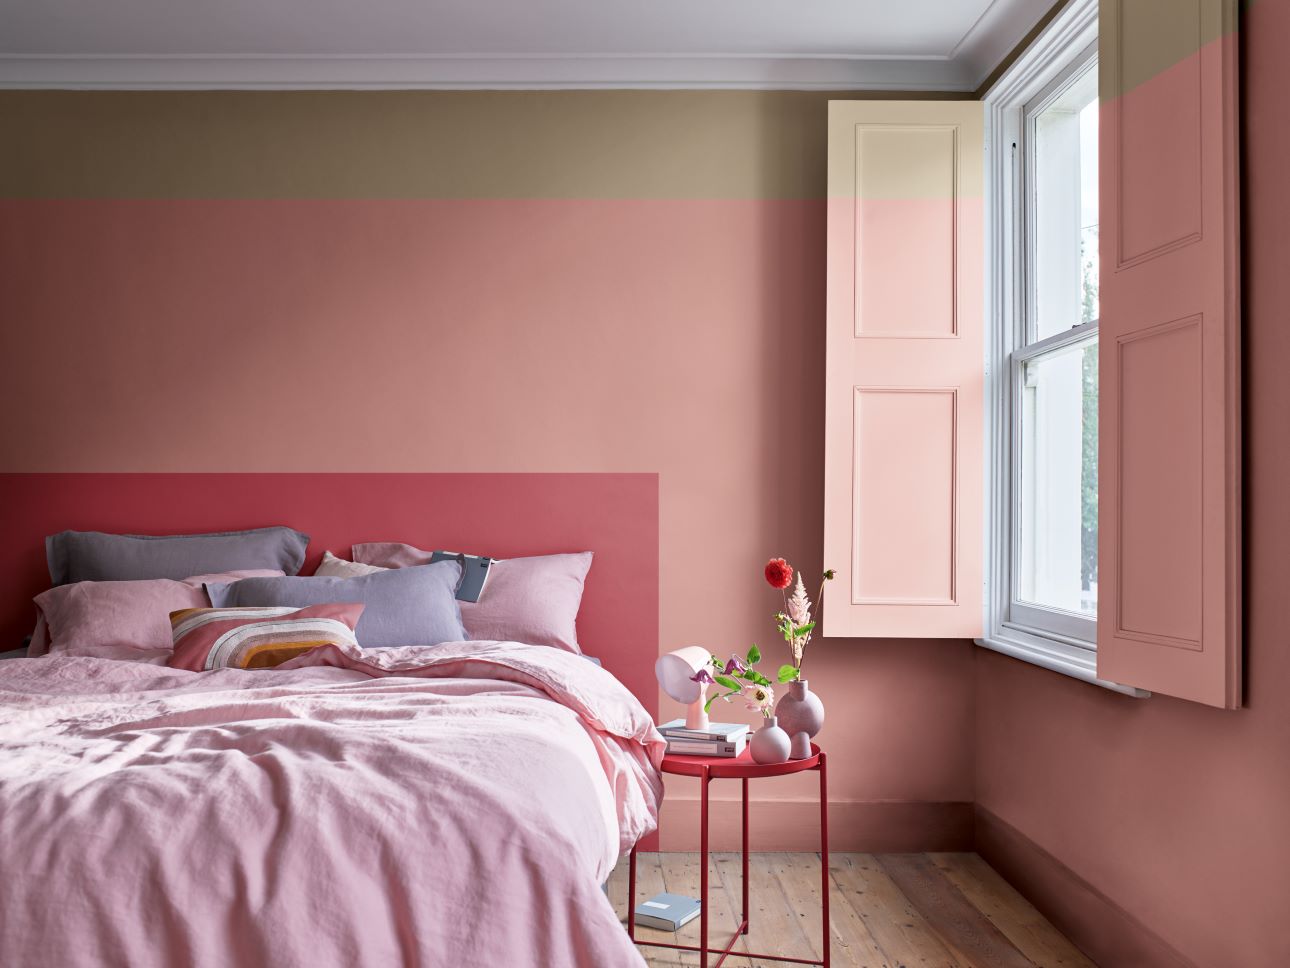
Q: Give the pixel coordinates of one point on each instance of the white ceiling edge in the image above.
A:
(488, 72)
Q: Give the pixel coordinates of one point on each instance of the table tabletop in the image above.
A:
(742, 766)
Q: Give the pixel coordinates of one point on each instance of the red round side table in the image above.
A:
(742, 768)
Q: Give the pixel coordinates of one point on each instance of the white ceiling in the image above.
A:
(835, 44)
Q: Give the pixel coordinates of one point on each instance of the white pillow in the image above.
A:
(333, 567)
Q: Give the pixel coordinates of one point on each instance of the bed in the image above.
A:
(456, 805)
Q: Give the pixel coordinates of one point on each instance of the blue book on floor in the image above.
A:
(667, 912)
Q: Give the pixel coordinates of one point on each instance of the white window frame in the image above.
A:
(1036, 635)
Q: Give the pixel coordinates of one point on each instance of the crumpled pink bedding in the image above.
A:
(455, 806)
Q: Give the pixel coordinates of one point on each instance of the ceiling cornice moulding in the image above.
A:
(486, 72)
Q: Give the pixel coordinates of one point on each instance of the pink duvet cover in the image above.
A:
(454, 806)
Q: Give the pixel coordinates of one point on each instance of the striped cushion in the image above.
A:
(257, 638)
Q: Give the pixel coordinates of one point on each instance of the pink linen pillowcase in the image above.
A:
(123, 619)
(533, 600)
(39, 643)
(258, 638)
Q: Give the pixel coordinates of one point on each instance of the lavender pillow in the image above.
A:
(94, 556)
(411, 606)
(533, 600)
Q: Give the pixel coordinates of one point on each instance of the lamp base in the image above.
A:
(695, 715)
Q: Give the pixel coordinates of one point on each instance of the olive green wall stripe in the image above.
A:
(1157, 35)
(416, 144)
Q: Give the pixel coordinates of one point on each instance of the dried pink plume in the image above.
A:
(799, 606)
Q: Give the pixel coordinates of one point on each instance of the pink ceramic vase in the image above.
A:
(770, 744)
(801, 715)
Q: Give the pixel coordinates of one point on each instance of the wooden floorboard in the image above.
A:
(888, 911)
(970, 936)
(1011, 913)
(890, 916)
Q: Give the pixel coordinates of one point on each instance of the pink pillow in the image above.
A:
(123, 619)
(39, 643)
(533, 600)
(258, 638)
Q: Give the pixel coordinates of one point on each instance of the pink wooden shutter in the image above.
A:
(903, 410)
(1169, 553)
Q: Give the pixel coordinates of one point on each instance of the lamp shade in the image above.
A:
(675, 669)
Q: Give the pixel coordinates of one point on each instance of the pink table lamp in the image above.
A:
(675, 673)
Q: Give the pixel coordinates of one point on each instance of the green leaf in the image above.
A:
(727, 682)
(803, 629)
(759, 679)
(754, 655)
(787, 673)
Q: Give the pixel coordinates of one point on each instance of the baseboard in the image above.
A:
(1099, 927)
(871, 826)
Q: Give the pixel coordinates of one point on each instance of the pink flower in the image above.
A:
(733, 665)
(703, 676)
(779, 573)
(759, 698)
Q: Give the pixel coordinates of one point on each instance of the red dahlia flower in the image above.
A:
(779, 573)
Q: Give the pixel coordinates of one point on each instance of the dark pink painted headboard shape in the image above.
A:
(504, 515)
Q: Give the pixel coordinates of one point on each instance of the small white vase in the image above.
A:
(770, 744)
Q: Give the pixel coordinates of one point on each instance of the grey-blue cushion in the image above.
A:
(404, 606)
(94, 556)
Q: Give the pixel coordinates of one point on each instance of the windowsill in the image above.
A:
(1055, 656)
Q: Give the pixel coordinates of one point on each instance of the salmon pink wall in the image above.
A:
(1175, 812)
(596, 281)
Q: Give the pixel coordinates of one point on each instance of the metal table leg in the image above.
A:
(703, 870)
(744, 913)
(824, 856)
(631, 895)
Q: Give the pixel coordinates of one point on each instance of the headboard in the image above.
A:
(503, 515)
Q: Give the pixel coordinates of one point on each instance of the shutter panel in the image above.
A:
(1169, 553)
(903, 407)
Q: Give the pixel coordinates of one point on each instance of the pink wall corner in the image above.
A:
(1177, 812)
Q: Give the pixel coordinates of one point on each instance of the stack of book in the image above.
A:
(719, 739)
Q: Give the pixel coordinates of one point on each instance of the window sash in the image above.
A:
(1071, 627)
(1083, 62)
